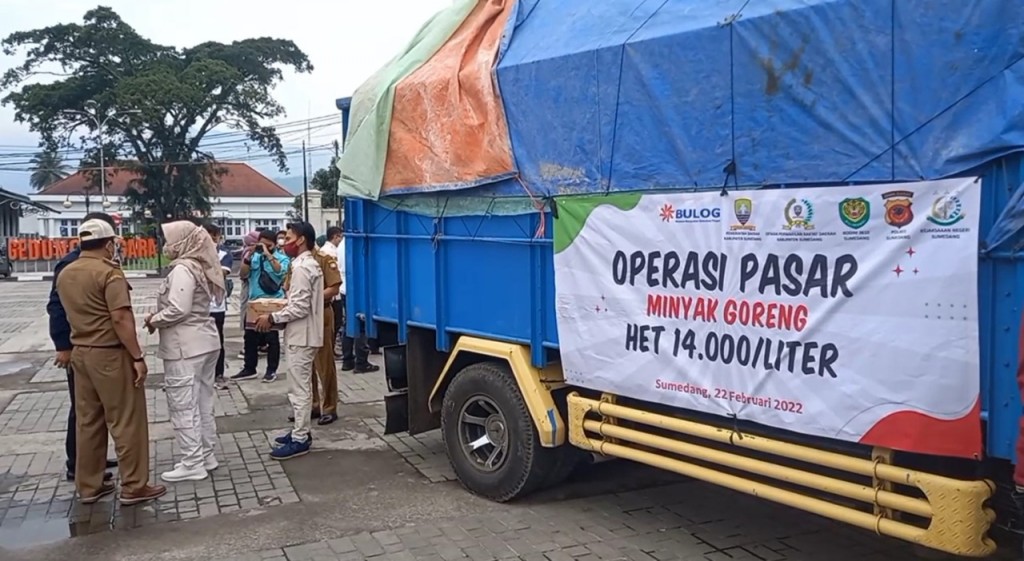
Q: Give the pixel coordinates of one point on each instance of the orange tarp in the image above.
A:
(448, 126)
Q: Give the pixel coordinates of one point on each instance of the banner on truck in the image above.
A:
(844, 312)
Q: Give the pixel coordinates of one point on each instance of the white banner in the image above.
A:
(844, 312)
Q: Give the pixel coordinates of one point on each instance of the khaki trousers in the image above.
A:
(325, 372)
(106, 399)
(300, 368)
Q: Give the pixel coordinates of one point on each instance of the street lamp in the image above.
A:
(92, 112)
(68, 204)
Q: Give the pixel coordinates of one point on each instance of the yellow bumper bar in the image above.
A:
(957, 520)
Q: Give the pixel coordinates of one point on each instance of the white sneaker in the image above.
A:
(182, 473)
(210, 463)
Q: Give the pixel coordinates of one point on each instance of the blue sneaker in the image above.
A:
(287, 438)
(269, 377)
(291, 449)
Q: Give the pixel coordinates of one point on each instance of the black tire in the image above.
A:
(566, 461)
(526, 466)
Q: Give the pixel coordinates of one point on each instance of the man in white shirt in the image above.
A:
(219, 310)
(354, 354)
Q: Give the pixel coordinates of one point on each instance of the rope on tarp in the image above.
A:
(539, 205)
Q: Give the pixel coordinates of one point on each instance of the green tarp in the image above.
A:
(366, 148)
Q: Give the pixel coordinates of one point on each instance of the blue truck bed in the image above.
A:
(491, 276)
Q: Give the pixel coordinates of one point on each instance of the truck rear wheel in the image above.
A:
(490, 437)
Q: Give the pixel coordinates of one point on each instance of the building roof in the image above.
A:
(20, 200)
(239, 180)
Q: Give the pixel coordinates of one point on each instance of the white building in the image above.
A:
(246, 200)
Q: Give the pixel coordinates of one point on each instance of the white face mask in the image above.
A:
(280, 243)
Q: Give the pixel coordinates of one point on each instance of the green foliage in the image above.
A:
(48, 167)
(177, 97)
(324, 180)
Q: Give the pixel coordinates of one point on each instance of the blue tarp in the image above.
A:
(664, 94)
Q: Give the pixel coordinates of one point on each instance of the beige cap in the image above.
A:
(95, 230)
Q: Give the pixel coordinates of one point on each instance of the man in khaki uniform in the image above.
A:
(110, 370)
(325, 372)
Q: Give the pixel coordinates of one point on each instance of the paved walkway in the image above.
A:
(361, 495)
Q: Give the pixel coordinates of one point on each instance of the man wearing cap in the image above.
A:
(60, 334)
(110, 370)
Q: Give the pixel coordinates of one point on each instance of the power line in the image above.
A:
(227, 138)
(320, 148)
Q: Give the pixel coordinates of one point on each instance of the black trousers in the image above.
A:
(218, 318)
(70, 442)
(252, 341)
(352, 351)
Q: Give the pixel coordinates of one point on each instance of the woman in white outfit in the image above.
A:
(189, 345)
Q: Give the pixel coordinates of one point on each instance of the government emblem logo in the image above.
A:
(799, 214)
(898, 211)
(855, 212)
(946, 211)
(743, 208)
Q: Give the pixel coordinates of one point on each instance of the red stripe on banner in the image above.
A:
(913, 431)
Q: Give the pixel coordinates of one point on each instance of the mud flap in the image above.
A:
(396, 405)
(396, 401)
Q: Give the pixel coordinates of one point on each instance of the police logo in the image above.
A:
(855, 213)
(799, 214)
(898, 211)
(947, 210)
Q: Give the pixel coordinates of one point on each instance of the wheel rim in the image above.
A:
(483, 433)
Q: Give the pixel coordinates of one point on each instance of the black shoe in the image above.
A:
(348, 366)
(244, 375)
(327, 419)
(107, 476)
(366, 369)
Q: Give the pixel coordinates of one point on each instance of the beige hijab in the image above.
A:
(190, 246)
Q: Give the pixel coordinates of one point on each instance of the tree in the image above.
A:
(326, 181)
(177, 96)
(48, 167)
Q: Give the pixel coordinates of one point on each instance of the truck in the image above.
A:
(772, 245)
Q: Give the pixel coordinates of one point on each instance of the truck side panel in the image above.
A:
(489, 276)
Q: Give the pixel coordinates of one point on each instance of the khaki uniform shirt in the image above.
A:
(90, 289)
(183, 317)
(329, 267)
(304, 312)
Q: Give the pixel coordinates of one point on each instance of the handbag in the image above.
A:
(267, 283)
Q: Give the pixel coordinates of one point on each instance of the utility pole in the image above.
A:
(305, 185)
(92, 112)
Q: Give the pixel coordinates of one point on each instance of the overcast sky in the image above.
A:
(347, 40)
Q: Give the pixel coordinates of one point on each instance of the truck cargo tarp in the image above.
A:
(362, 164)
(624, 95)
(438, 123)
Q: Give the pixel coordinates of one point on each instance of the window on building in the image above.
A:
(267, 224)
(68, 228)
(233, 228)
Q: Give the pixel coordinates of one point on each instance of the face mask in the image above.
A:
(291, 250)
(280, 242)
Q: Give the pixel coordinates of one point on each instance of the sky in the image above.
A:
(346, 40)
